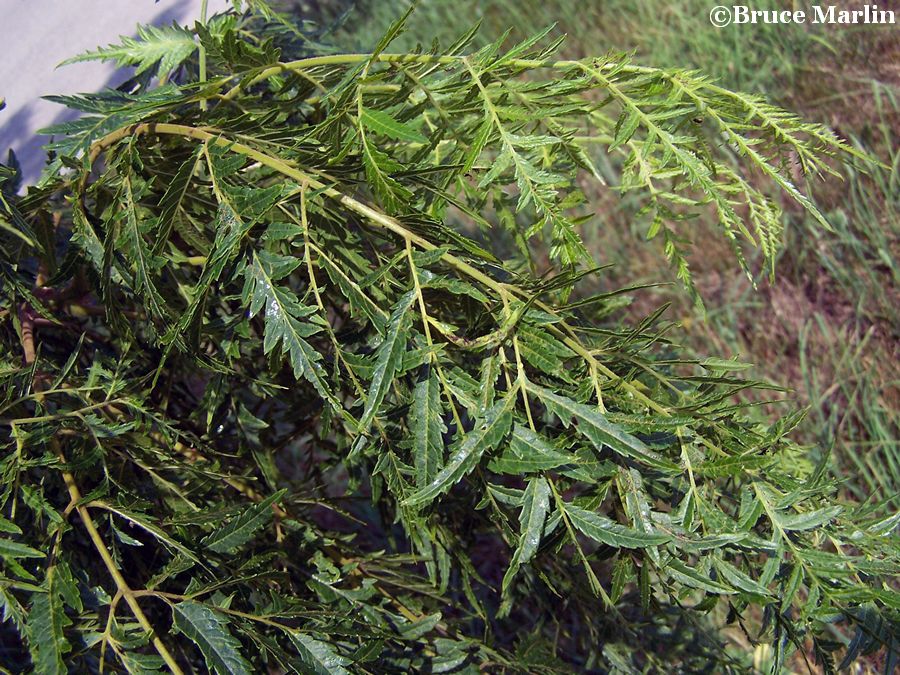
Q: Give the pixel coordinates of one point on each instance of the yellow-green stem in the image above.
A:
(121, 585)
(372, 215)
(203, 52)
(344, 59)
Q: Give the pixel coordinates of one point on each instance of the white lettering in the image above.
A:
(819, 14)
(869, 14)
(741, 13)
(821, 17)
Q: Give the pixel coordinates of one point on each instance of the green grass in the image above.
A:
(849, 367)
(679, 34)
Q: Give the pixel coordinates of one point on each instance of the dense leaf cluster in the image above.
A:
(270, 400)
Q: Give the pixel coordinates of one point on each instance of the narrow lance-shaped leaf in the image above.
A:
(487, 434)
(605, 531)
(528, 452)
(387, 359)
(381, 122)
(46, 621)
(208, 629)
(625, 128)
(137, 663)
(696, 579)
(239, 530)
(739, 580)
(9, 527)
(600, 431)
(172, 199)
(166, 45)
(478, 143)
(144, 522)
(809, 519)
(379, 166)
(141, 255)
(623, 572)
(427, 428)
(283, 314)
(636, 502)
(318, 657)
(230, 231)
(360, 303)
(535, 505)
(14, 550)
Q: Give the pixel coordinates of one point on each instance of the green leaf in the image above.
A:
(695, 579)
(600, 431)
(319, 657)
(427, 428)
(379, 166)
(9, 527)
(144, 260)
(230, 231)
(240, 530)
(416, 629)
(487, 434)
(147, 525)
(284, 323)
(739, 579)
(387, 359)
(605, 531)
(636, 502)
(528, 452)
(172, 199)
(734, 465)
(625, 128)
(208, 629)
(790, 587)
(46, 621)
(142, 664)
(809, 519)
(168, 46)
(724, 365)
(623, 572)
(535, 506)
(543, 352)
(15, 550)
(477, 145)
(382, 123)
(360, 303)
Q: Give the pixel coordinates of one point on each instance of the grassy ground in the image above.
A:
(828, 327)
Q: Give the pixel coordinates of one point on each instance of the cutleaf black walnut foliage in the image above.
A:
(293, 379)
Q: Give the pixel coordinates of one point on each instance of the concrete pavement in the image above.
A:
(36, 35)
